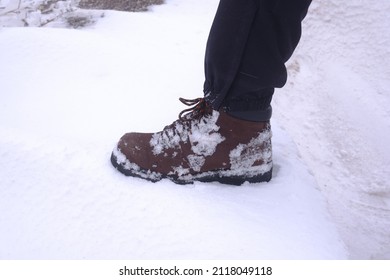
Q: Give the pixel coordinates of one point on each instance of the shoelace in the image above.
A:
(199, 108)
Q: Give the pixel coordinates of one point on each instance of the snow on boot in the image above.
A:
(202, 145)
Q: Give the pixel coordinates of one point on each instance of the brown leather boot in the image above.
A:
(202, 145)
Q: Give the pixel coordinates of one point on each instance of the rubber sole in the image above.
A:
(207, 177)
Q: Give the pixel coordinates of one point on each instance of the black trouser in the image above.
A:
(248, 45)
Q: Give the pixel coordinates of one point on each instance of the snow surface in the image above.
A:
(68, 95)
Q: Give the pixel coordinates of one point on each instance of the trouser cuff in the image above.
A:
(254, 116)
(251, 109)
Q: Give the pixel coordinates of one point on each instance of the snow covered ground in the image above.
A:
(66, 96)
(336, 107)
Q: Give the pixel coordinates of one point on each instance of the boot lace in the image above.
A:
(199, 108)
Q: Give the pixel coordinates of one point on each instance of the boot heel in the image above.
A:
(237, 180)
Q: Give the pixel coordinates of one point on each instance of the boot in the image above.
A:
(202, 145)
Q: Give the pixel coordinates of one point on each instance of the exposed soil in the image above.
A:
(119, 5)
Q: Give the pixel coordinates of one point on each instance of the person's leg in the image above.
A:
(248, 45)
(226, 136)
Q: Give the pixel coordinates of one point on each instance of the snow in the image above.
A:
(204, 137)
(336, 108)
(67, 95)
(244, 156)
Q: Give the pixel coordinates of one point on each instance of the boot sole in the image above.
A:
(211, 176)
